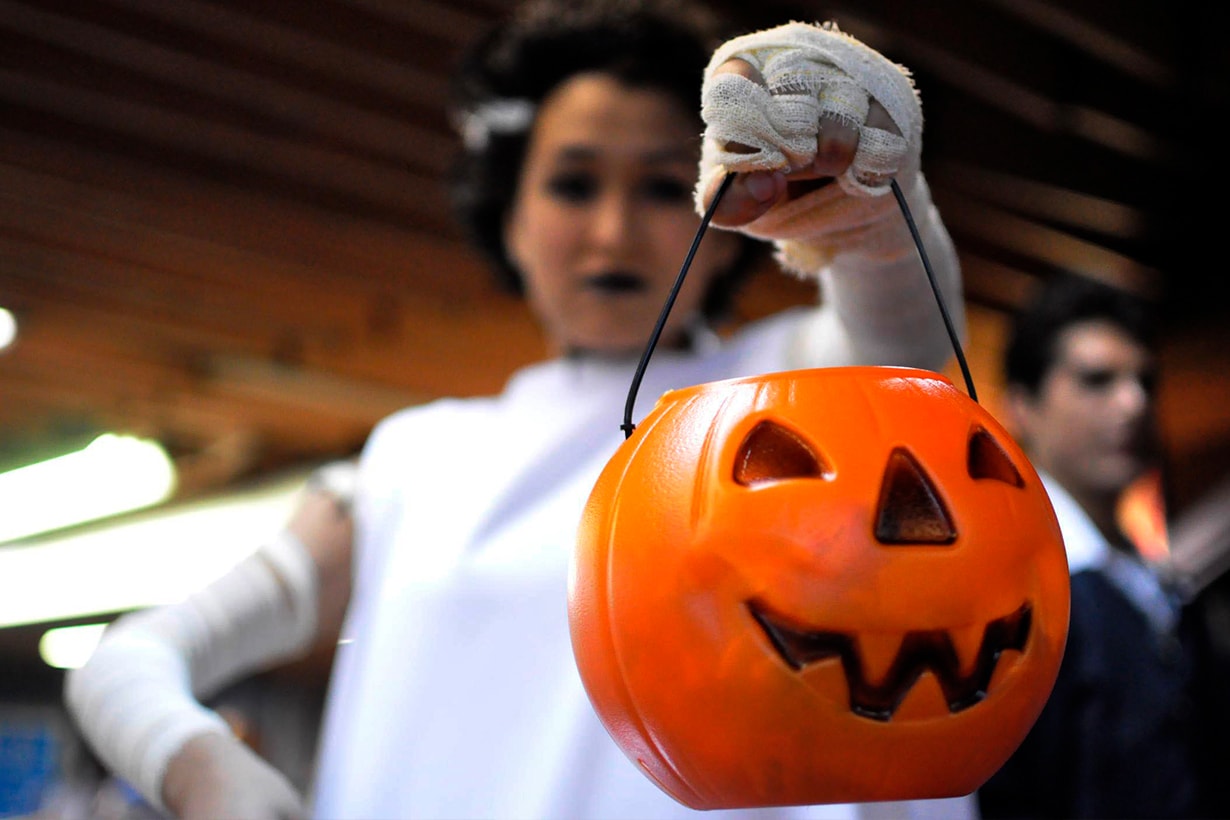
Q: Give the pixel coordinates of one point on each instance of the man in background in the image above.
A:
(1115, 739)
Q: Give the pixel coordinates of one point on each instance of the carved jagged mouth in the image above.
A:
(921, 650)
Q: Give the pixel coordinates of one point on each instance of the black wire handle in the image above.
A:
(935, 288)
(628, 426)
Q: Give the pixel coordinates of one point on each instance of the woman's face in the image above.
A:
(603, 217)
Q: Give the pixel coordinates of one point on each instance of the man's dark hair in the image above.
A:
(1063, 301)
(662, 45)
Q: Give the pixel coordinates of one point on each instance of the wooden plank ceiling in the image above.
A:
(223, 223)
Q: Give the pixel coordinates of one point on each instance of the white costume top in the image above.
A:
(455, 692)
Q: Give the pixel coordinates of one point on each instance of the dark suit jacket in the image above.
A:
(1115, 738)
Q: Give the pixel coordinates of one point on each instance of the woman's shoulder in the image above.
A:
(441, 420)
(764, 343)
(440, 414)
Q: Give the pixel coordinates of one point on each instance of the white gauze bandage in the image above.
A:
(813, 72)
(137, 699)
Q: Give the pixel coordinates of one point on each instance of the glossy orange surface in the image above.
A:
(819, 586)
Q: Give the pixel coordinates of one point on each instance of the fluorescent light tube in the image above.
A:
(153, 557)
(113, 474)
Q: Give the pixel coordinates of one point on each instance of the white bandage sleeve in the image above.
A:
(885, 312)
(137, 699)
(813, 72)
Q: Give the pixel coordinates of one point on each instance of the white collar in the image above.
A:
(1088, 549)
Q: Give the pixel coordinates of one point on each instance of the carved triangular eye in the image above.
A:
(772, 452)
(910, 510)
(987, 459)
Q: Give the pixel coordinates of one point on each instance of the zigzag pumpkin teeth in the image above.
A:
(967, 642)
(881, 668)
(799, 648)
(876, 653)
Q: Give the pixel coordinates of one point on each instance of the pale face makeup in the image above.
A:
(603, 217)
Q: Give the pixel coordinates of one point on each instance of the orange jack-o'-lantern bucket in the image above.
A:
(819, 586)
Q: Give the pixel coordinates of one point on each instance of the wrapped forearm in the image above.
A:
(136, 701)
(884, 311)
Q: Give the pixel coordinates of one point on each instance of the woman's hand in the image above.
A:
(815, 125)
(216, 775)
(324, 524)
(754, 192)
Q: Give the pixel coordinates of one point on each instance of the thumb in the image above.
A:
(749, 197)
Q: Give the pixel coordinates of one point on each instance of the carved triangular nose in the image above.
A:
(910, 510)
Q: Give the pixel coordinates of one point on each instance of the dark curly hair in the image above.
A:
(1063, 301)
(657, 44)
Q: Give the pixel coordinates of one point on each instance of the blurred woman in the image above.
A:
(455, 691)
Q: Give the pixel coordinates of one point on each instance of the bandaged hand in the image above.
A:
(216, 776)
(816, 124)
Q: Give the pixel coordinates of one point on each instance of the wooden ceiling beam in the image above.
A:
(1091, 39)
(252, 33)
(444, 21)
(1040, 200)
(993, 284)
(40, 281)
(1047, 246)
(322, 167)
(98, 195)
(420, 347)
(376, 135)
(165, 402)
(1044, 113)
(304, 387)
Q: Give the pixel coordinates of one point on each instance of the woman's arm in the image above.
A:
(137, 701)
(817, 127)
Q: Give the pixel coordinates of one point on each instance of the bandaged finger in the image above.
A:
(844, 101)
(809, 72)
(880, 156)
(741, 112)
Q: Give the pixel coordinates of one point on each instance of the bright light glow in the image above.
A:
(69, 647)
(156, 557)
(1141, 514)
(8, 328)
(113, 474)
